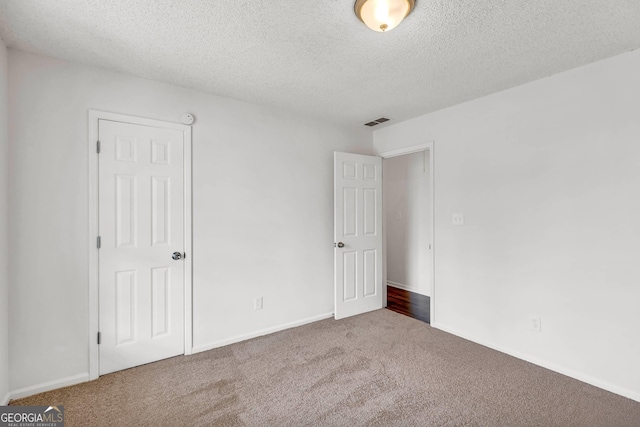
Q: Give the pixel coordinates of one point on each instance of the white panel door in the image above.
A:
(141, 197)
(357, 234)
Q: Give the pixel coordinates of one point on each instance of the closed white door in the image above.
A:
(141, 226)
(358, 234)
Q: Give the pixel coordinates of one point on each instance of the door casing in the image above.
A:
(93, 251)
(428, 146)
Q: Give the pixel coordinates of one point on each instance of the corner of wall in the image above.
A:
(505, 161)
(4, 246)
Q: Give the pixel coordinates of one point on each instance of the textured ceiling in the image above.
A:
(317, 58)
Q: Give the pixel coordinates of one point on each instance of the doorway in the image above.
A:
(408, 231)
(140, 271)
(360, 236)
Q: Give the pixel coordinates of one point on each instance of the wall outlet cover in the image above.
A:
(535, 323)
(457, 219)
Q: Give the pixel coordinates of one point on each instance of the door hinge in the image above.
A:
(98, 147)
(98, 242)
(99, 338)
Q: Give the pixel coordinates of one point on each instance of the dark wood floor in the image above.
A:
(409, 303)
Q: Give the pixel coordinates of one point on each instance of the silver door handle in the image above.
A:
(340, 245)
(176, 256)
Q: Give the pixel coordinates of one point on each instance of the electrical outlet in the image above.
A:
(257, 303)
(535, 323)
(457, 219)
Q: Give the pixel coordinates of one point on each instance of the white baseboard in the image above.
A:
(244, 337)
(631, 394)
(399, 286)
(77, 379)
(405, 287)
(5, 400)
(48, 386)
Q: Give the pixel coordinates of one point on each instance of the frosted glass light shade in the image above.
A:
(383, 15)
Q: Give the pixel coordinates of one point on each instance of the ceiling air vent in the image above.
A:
(377, 121)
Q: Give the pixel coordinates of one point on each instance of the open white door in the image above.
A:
(357, 234)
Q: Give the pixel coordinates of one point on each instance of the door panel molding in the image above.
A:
(94, 116)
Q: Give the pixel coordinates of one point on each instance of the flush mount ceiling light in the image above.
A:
(383, 15)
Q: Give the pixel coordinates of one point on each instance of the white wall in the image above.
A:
(547, 175)
(408, 221)
(4, 216)
(262, 213)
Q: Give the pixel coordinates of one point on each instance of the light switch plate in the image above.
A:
(457, 219)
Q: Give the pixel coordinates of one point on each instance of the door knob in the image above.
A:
(340, 245)
(176, 256)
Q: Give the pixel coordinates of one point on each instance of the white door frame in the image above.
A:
(428, 146)
(94, 301)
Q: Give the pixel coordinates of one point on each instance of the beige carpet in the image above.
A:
(377, 369)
